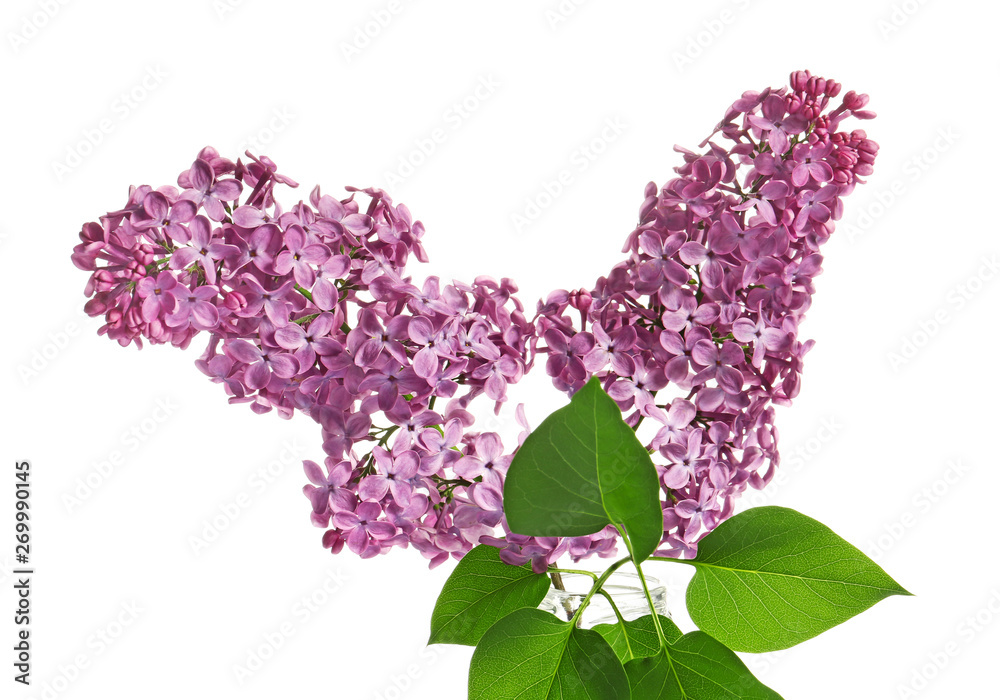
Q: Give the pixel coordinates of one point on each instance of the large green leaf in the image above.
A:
(637, 639)
(582, 469)
(770, 577)
(533, 655)
(480, 591)
(696, 667)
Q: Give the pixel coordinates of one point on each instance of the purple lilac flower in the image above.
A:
(344, 374)
(311, 309)
(205, 249)
(718, 277)
(206, 191)
(364, 529)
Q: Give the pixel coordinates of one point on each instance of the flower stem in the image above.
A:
(591, 574)
(621, 618)
(597, 586)
(557, 581)
(558, 584)
(304, 292)
(645, 588)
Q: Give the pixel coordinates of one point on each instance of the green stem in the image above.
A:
(618, 613)
(621, 620)
(645, 588)
(558, 584)
(385, 438)
(304, 292)
(555, 570)
(597, 586)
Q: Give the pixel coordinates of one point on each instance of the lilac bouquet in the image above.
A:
(309, 308)
(673, 361)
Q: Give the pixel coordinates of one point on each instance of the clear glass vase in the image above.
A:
(625, 588)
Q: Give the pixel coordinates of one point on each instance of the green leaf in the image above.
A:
(583, 468)
(696, 667)
(770, 577)
(637, 639)
(481, 590)
(533, 655)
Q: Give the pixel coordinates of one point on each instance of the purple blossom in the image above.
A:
(316, 312)
(701, 513)
(271, 301)
(487, 461)
(195, 308)
(370, 338)
(338, 474)
(309, 342)
(762, 336)
(209, 193)
(158, 295)
(341, 430)
(203, 250)
(719, 272)
(310, 310)
(261, 363)
(363, 530)
(778, 124)
(301, 254)
(259, 248)
(159, 212)
(810, 164)
(813, 207)
(614, 349)
(685, 458)
(394, 474)
(222, 369)
(720, 364)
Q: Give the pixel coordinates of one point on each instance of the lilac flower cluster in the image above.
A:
(310, 310)
(695, 335)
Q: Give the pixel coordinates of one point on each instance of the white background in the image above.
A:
(896, 456)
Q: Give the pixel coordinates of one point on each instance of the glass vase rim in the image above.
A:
(613, 583)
